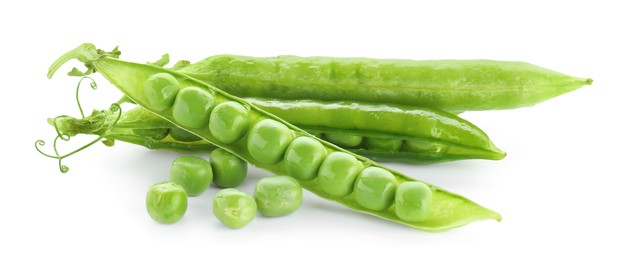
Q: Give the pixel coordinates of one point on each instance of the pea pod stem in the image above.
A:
(448, 210)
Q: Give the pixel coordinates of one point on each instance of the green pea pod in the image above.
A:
(400, 126)
(265, 138)
(450, 85)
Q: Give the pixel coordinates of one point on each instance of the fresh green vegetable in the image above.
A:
(450, 85)
(277, 196)
(344, 140)
(375, 188)
(338, 172)
(193, 173)
(166, 202)
(413, 201)
(229, 171)
(303, 158)
(447, 210)
(234, 208)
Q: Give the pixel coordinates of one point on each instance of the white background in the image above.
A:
(560, 190)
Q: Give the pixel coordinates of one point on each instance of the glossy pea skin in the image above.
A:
(383, 144)
(303, 158)
(277, 196)
(166, 202)
(229, 170)
(183, 135)
(338, 172)
(425, 147)
(412, 201)
(154, 134)
(343, 140)
(229, 121)
(193, 173)
(192, 107)
(375, 188)
(268, 140)
(234, 208)
(160, 90)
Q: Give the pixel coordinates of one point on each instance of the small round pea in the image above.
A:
(375, 188)
(193, 173)
(229, 121)
(155, 134)
(338, 172)
(192, 107)
(166, 202)
(303, 158)
(268, 140)
(412, 201)
(343, 140)
(234, 208)
(183, 135)
(160, 91)
(277, 196)
(383, 144)
(228, 170)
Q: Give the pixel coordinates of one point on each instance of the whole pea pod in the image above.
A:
(450, 85)
(381, 132)
(273, 144)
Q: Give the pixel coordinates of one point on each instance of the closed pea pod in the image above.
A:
(450, 85)
(343, 140)
(451, 210)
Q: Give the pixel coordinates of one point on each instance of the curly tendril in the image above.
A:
(93, 86)
(114, 108)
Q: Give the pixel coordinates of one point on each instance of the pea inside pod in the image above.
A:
(338, 172)
(375, 188)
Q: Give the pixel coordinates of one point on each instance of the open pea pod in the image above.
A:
(270, 142)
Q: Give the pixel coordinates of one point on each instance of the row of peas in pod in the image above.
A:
(268, 141)
(166, 202)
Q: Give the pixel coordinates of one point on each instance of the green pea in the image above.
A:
(228, 170)
(375, 188)
(303, 158)
(343, 140)
(155, 134)
(267, 141)
(229, 121)
(234, 208)
(338, 172)
(192, 107)
(183, 135)
(166, 202)
(278, 196)
(383, 144)
(160, 91)
(193, 173)
(412, 201)
(425, 147)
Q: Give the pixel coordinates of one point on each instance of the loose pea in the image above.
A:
(343, 140)
(268, 140)
(338, 172)
(303, 157)
(155, 134)
(192, 107)
(234, 208)
(193, 173)
(166, 202)
(228, 170)
(160, 91)
(375, 188)
(183, 135)
(229, 121)
(383, 144)
(412, 201)
(278, 196)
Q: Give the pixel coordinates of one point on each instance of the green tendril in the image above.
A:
(115, 108)
(93, 86)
